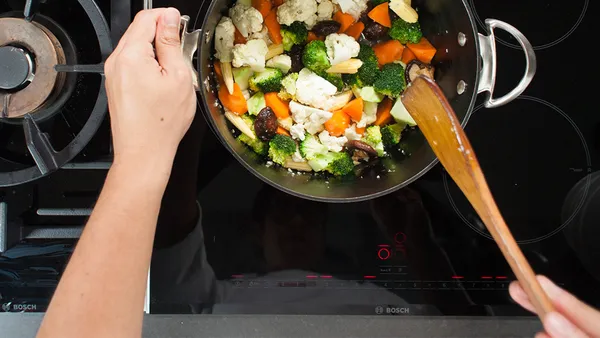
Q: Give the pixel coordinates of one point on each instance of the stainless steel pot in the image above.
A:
(465, 67)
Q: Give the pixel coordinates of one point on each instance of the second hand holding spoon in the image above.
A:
(436, 119)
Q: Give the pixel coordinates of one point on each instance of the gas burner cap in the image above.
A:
(531, 154)
(19, 41)
(16, 69)
(550, 22)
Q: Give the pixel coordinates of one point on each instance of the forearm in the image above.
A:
(102, 290)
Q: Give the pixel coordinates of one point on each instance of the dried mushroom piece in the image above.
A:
(360, 151)
(266, 124)
(416, 68)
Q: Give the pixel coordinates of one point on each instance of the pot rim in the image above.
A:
(415, 177)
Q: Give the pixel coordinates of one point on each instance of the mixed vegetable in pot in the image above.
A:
(315, 85)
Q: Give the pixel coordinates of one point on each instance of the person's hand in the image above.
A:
(151, 96)
(572, 319)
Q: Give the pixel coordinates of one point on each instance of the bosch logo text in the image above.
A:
(390, 310)
(19, 307)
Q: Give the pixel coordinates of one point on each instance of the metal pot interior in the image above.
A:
(441, 21)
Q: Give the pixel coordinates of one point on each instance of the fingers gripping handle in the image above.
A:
(189, 46)
(487, 80)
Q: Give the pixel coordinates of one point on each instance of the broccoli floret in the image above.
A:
(288, 87)
(267, 81)
(281, 148)
(406, 32)
(315, 57)
(295, 34)
(338, 164)
(373, 138)
(353, 80)
(310, 148)
(368, 72)
(334, 79)
(392, 133)
(258, 146)
(391, 81)
(341, 165)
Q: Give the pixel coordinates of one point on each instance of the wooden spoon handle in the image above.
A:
(427, 104)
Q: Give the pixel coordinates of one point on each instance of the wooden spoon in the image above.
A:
(428, 106)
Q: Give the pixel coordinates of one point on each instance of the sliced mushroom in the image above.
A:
(374, 31)
(266, 124)
(416, 68)
(326, 27)
(359, 156)
(359, 149)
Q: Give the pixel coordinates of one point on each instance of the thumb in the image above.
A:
(167, 44)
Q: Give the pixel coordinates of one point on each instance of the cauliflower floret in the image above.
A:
(341, 47)
(297, 10)
(317, 119)
(351, 134)
(297, 157)
(353, 7)
(283, 62)
(325, 10)
(246, 18)
(298, 132)
(334, 144)
(224, 37)
(262, 35)
(299, 112)
(369, 115)
(251, 54)
(311, 118)
(313, 90)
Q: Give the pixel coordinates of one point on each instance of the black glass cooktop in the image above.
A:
(419, 251)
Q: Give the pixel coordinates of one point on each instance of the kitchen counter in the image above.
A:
(25, 325)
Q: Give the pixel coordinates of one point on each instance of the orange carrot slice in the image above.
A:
(381, 15)
(384, 115)
(355, 30)
(346, 20)
(337, 125)
(354, 109)
(360, 131)
(388, 52)
(274, 27)
(263, 6)
(280, 107)
(312, 37)
(424, 50)
(408, 56)
(282, 131)
(236, 102)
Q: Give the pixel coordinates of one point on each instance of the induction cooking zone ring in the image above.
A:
(31, 51)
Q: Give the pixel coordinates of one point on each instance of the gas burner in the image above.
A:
(52, 98)
(519, 173)
(558, 18)
(29, 83)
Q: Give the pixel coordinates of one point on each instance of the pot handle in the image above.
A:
(487, 77)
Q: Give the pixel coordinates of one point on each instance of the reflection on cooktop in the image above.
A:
(559, 19)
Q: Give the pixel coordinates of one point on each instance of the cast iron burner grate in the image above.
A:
(58, 49)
